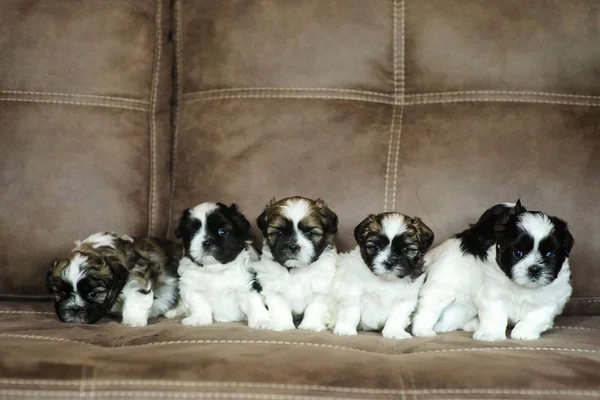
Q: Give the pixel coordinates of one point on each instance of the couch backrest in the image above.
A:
(435, 108)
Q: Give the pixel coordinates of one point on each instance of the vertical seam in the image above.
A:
(402, 93)
(153, 102)
(178, 105)
(393, 122)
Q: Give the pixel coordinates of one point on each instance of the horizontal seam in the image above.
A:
(507, 92)
(58, 94)
(289, 89)
(26, 312)
(585, 299)
(38, 337)
(390, 101)
(582, 328)
(308, 344)
(275, 386)
(146, 394)
(77, 103)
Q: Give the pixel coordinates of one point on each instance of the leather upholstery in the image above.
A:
(117, 115)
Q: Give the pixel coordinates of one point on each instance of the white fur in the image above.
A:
(295, 210)
(220, 292)
(459, 288)
(391, 226)
(136, 306)
(301, 290)
(362, 300)
(539, 227)
(73, 273)
(197, 251)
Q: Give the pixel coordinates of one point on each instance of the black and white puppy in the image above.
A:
(217, 280)
(298, 261)
(111, 273)
(511, 266)
(377, 284)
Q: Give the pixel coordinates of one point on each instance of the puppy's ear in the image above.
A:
(240, 221)
(263, 219)
(518, 208)
(50, 275)
(360, 231)
(182, 222)
(568, 240)
(120, 274)
(425, 234)
(330, 219)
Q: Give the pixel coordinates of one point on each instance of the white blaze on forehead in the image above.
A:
(99, 239)
(538, 226)
(393, 225)
(202, 210)
(74, 271)
(296, 210)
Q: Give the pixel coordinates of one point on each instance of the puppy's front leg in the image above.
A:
(398, 320)
(533, 324)
(200, 309)
(137, 303)
(315, 315)
(348, 318)
(179, 310)
(256, 312)
(492, 321)
(431, 306)
(280, 312)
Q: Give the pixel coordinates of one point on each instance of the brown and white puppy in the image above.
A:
(377, 284)
(298, 261)
(111, 273)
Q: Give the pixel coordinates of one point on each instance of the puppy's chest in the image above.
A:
(218, 285)
(376, 305)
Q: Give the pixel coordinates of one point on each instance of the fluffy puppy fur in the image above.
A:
(217, 281)
(298, 261)
(115, 273)
(511, 266)
(377, 283)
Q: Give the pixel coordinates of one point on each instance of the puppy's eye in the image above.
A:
(372, 247)
(223, 232)
(92, 295)
(277, 233)
(518, 253)
(309, 235)
(550, 254)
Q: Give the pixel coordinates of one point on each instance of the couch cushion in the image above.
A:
(166, 359)
(435, 108)
(84, 103)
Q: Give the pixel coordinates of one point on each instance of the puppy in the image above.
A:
(217, 282)
(298, 261)
(511, 266)
(107, 272)
(377, 283)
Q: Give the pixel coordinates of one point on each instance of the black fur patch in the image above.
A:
(482, 235)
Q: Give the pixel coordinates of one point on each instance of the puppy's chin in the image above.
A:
(396, 272)
(295, 263)
(522, 277)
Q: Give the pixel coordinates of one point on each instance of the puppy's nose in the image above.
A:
(294, 247)
(206, 243)
(389, 264)
(535, 270)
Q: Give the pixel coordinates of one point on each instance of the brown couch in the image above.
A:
(119, 114)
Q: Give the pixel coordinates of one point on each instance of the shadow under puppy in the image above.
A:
(217, 280)
(298, 261)
(377, 284)
(511, 266)
(111, 273)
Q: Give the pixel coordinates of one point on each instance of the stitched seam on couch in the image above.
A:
(68, 95)
(284, 386)
(305, 344)
(74, 103)
(394, 103)
(178, 105)
(152, 116)
(383, 98)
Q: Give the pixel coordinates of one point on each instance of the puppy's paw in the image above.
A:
(344, 330)
(472, 325)
(174, 313)
(312, 326)
(196, 321)
(423, 332)
(395, 334)
(522, 333)
(260, 324)
(134, 321)
(488, 336)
